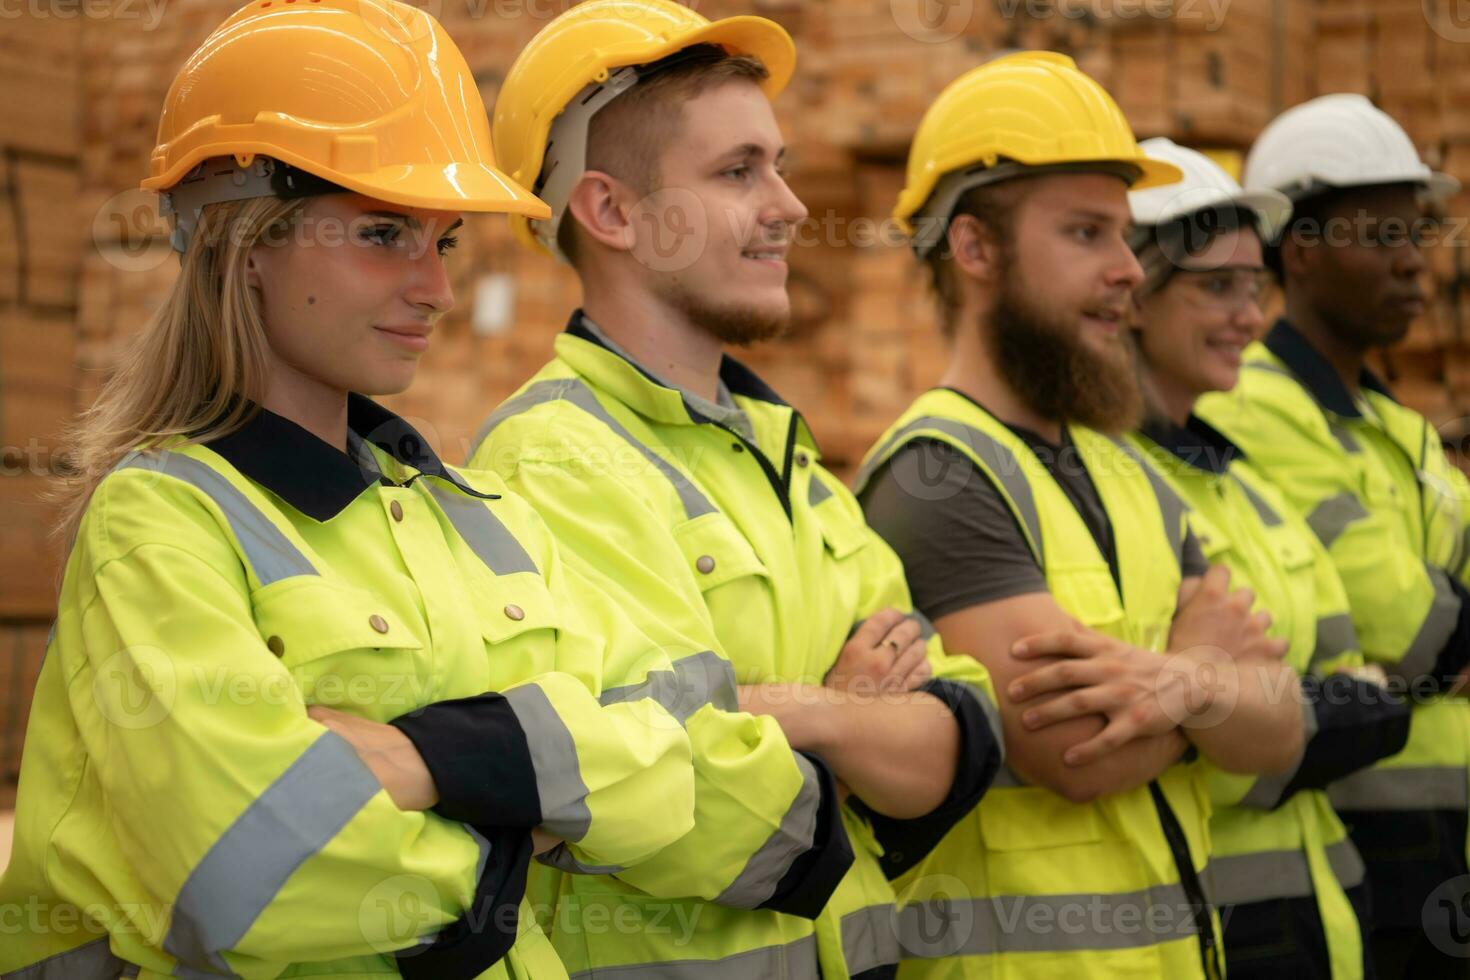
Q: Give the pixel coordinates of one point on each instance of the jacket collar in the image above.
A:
(1196, 443)
(318, 479)
(635, 386)
(1315, 374)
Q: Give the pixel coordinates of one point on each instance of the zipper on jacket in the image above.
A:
(1209, 943)
(778, 484)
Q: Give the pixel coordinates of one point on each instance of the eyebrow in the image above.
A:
(751, 150)
(1102, 216)
(409, 220)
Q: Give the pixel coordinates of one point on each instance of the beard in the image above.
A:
(738, 326)
(1061, 377)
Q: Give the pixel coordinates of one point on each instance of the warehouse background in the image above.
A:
(84, 261)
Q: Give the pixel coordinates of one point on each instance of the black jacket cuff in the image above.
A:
(488, 929)
(812, 878)
(1358, 723)
(477, 753)
(907, 842)
(1455, 655)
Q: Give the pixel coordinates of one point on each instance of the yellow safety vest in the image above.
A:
(1032, 884)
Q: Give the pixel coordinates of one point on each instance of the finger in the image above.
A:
(901, 636)
(914, 657)
(1188, 589)
(875, 627)
(1079, 703)
(1243, 599)
(1261, 621)
(1118, 732)
(1217, 579)
(919, 675)
(1063, 676)
(1062, 643)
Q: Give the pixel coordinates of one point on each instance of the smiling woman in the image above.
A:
(267, 568)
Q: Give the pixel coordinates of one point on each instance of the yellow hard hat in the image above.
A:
(1033, 109)
(570, 70)
(368, 95)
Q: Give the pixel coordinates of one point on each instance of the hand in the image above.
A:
(388, 754)
(1210, 615)
(885, 654)
(541, 841)
(1138, 691)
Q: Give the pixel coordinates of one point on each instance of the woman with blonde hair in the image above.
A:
(267, 567)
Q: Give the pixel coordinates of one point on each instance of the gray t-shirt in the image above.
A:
(959, 542)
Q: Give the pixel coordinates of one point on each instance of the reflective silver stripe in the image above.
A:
(796, 960)
(757, 881)
(817, 492)
(559, 784)
(1001, 462)
(1344, 438)
(242, 872)
(267, 551)
(94, 961)
(1265, 511)
(1269, 369)
(1434, 631)
(1266, 875)
(1332, 516)
(575, 391)
(1408, 788)
(1265, 792)
(487, 537)
(695, 681)
(1171, 505)
(1335, 635)
(870, 938)
(1045, 923)
(561, 858)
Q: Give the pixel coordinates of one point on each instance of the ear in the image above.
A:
(602, 205)
(975, 250)
(1298, 258)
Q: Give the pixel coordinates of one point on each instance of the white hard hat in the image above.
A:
(1205, 186)
(1340, 140)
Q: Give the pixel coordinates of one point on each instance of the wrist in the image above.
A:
(1206, 674)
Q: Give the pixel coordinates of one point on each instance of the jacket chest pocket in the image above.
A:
(343, 646)
(1086, 592)
(519, 625)
(716, 553)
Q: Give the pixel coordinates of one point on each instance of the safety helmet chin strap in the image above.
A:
(221, 179)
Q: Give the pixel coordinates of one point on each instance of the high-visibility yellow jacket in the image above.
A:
(1277, 837)
(1032, 884)
(179, 812)
(1373, 482)
(741, 538)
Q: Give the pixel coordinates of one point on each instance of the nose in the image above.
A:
(1127, 272)
(1250, 317)
(1408, 260)
(785, 205)
(428, 289)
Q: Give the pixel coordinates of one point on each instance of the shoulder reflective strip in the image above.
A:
(561, 858)
(796, 960)
(1265, 511)
(817, 492)
(559, 783)
(1265, 792)
(575, 391)
(94, 961)
(1407, 788)
(1434, 631)
(1266, 875)
(1171, 505)
(487, 537)
(870, 938)
(1045, 923)
(1344, 438)
(242, 872)
(271, 555)
(1269, 369)
(757, 881)
(695, 681)
(1332, 516)
(1335, 635)
(1001, 461)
